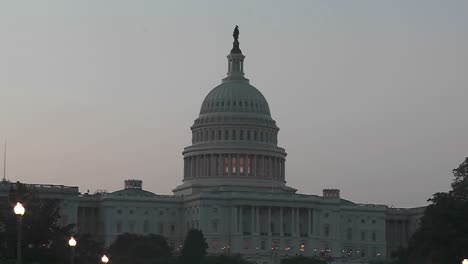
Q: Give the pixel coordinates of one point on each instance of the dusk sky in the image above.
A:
(370, 96)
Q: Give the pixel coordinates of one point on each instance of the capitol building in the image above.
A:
(234, 188)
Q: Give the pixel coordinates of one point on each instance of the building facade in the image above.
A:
(234, 190)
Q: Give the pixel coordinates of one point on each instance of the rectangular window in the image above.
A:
(246, 243)
(119, 227)
(172, 229)
(363, 235)
(374, 236)
(263, 245)
(214, 244)
(241, 135)
(248, 165)
(161, 228)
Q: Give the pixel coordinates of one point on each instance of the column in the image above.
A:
(309, 230)
(195, 166)
(283, 169)
(281, 221)
(235, 223)
(263, 166)
(221, 165)
(241, 218)
(292, 221)
(213, 165)
(230, 165)
(271, 167)
(269, 221)
(252, 219)
(246, 165)
(258, 219)
(237, 165)
(253, 168)
(298, 232)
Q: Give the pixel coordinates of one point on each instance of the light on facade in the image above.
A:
(104, 259)
(72, 242)
(19, 209)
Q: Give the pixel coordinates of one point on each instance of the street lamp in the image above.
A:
(19, 211)
(72, 244)
(465, 261)
(104, 259)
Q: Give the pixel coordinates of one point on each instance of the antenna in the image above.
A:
(4, 163)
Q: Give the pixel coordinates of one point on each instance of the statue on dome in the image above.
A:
(235, 45)
(236, 32)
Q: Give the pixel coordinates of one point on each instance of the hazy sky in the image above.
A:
(370, 96)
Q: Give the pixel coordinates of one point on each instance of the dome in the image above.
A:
(235, 96)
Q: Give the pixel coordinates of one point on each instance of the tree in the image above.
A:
(140, 249)
(194, 249)
(88, 249)
(443, 234)
(302, 260)
(44, 239)
(226, 259)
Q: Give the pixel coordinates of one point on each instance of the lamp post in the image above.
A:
(19, 211)
(104, 259)
(72, 244)
(465, 261)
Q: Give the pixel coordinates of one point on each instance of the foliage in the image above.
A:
(443, 234)
(302, 260)
(194, 249)
(226, 259)
(140, 249)
(43, 238)
(88, 249)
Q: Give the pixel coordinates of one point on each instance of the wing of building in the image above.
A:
(234, 189)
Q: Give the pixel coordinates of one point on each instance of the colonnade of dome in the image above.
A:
(234, 165)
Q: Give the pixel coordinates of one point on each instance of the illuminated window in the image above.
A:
(241, 165)
(226, 166)
(234, 165)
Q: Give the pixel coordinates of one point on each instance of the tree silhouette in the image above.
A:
(443, 234)
(194, 249)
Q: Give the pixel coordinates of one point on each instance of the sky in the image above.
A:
(370, 96)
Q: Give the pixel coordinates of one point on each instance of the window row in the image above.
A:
(146, 227)
(234, 165)
(363, 235)
(244, 106)
(207, 135)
